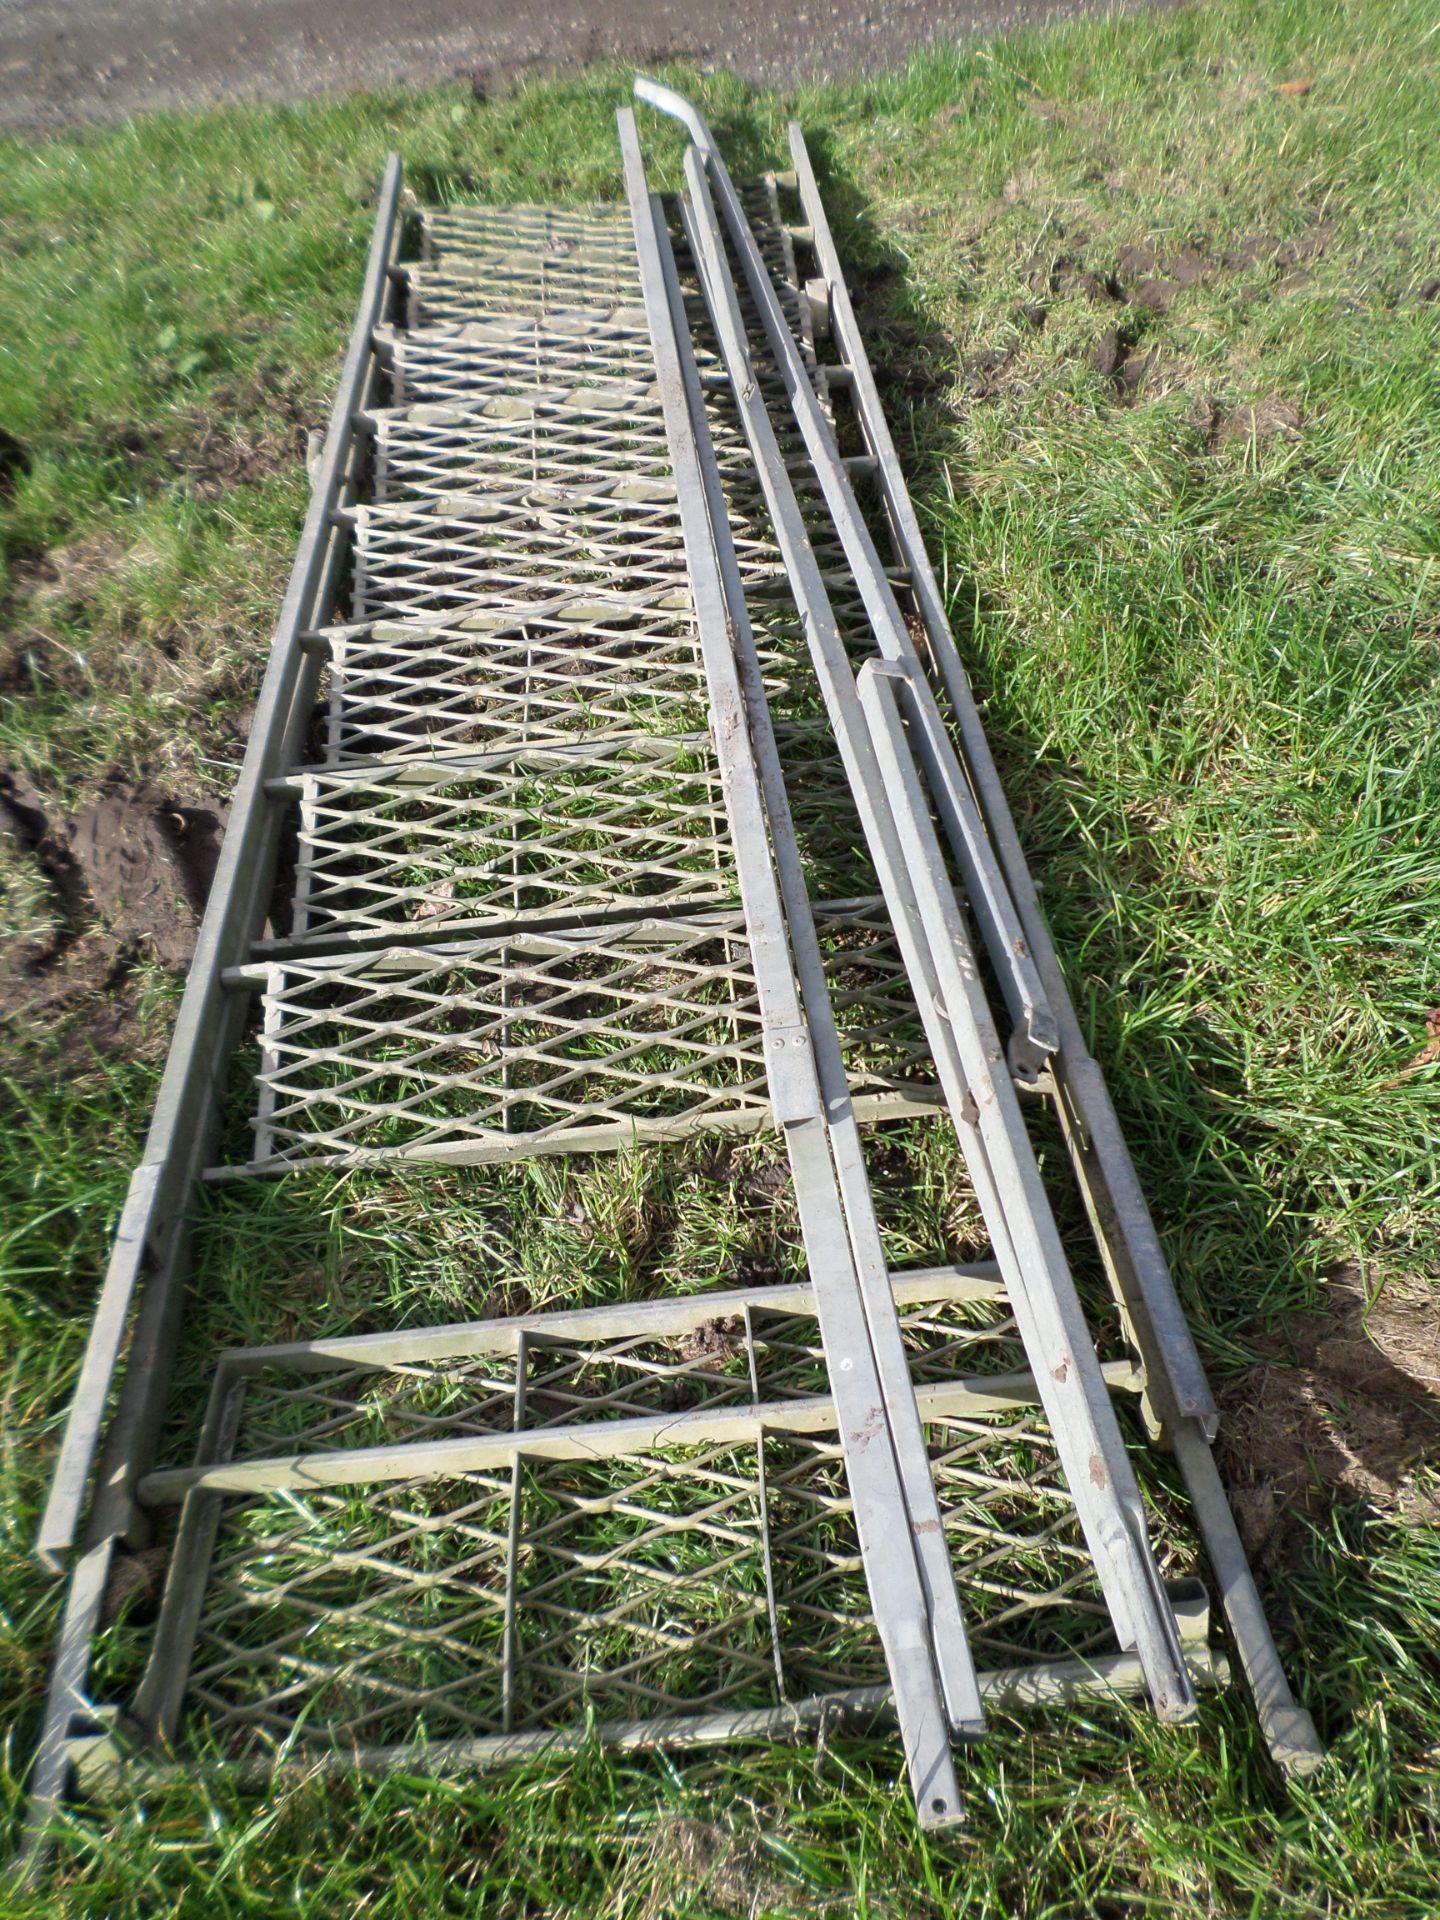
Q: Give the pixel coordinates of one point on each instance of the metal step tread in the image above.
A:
(603, 826)
(537, 1042)
(446, 1544)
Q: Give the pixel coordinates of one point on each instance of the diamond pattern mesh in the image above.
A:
(542, 833)
(615, 554)
(413, 689)
(681, 1579)
(610, 825)
(455, 292)
(440, 451)
(480, 231)
(488, 363)
(556, 1043)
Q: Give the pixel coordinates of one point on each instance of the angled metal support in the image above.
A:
(741, 669)
(1102, 1160)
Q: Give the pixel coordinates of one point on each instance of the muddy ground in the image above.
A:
(119, 882)
(1346, 1408)
(63, 61)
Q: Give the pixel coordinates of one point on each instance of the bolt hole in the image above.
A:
(938, 1805)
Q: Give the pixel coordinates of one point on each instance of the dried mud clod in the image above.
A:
(1255, 422)
(1349, 1410)
(134, 1587)
(712, 1343)
(1119, 360)
(1069, 279)
(146, 863)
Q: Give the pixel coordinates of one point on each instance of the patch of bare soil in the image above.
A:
(763, 1182)
(244, 435)
(127, 877)
(146, 863)
(1131, 287)
(702, 1862)
(1349, 1410)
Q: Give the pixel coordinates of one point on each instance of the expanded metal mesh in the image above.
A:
(523, 1596)
(553, 1043)
(477, 231)
(543, 833)
(475, 263)
(588, 829)
(440, 451)
(503, 555)
(522, 353)
(420, 690)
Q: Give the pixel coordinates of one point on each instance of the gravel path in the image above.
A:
(63, 61)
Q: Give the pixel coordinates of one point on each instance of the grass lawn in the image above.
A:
(1157, 305)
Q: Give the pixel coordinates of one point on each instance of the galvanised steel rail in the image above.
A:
(911, 1582)
(1178, 1396)
(140, 1302)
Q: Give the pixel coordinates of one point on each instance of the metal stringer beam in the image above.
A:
(137, 1317)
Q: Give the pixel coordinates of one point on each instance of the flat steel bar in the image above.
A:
(149, 1255)
(813, 599)
(920, 1662)
(183, 1121)
(840, 1110)
(720, 1425)
(1036, 1034)
(613, 1137)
